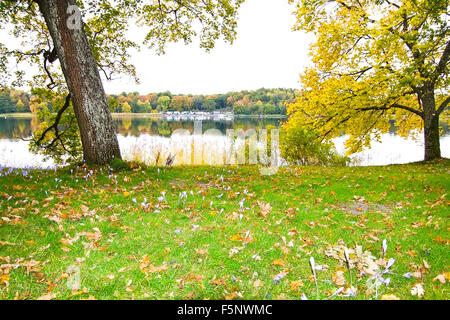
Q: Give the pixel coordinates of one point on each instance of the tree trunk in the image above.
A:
(98, 134)
(431, 126)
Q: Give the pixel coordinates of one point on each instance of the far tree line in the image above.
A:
(261, 101)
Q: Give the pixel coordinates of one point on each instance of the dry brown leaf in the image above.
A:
(295, 285)
(265, 209)
(201, 251)
(338, 278)
(389, 297)
(441, 278)
(418, 290)
(278, 262)
(48, 296)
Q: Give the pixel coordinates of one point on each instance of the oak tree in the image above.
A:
(375, 62)
(89, 38)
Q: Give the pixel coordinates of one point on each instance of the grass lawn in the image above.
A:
(226, 233)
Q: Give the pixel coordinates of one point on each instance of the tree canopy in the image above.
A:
(375, 61)
(106, 23)
(261, 101)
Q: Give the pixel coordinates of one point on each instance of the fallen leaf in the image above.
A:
(278, 262)
(201, 251)
(389, 297)
(418, 290)
(338, 278)
(265, 209)
(295, 285)
(48, 296)
(441, 278)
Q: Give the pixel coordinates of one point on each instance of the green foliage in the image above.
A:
(163, 103)
(118, 165)
(209, 105)
(6, 105)
(126, 108)
(20, 107)
(261, 101)
(12, 101)
(114, 105)
(302, 146)
(173, 20)
(66, 147)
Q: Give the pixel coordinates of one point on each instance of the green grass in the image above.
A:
(203, 247)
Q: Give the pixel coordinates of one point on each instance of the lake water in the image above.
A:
(148, 139)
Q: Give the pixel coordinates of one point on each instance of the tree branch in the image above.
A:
(350, 7)
(50, 56)
(399, 106)
(443, 106)
(440, 68)
(55, 124)
(323, 136)
(395, 105)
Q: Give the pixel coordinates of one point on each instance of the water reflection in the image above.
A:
(392, 150)
(17, 128)
(130, 126)
(143, 138)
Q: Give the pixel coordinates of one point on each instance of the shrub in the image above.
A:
(302, 146)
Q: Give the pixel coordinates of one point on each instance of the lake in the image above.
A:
(151, 139)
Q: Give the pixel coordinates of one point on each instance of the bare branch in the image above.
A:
(50, 56)
(443, 62)
(55, 124)
(395, 105)
(443, 106)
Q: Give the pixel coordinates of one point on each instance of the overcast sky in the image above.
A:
(266, 53)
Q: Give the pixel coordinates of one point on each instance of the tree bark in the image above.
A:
(97, 131)
(431, 125)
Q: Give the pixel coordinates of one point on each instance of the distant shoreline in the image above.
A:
(264, 116)
(18, 115)
(137, 115)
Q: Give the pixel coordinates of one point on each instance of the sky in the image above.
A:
(266, 53)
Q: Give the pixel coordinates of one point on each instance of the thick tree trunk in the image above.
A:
(431, 126)
(98, 134)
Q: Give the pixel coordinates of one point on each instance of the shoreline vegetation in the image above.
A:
(246, 102)
(225, 232)
(18, 115)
